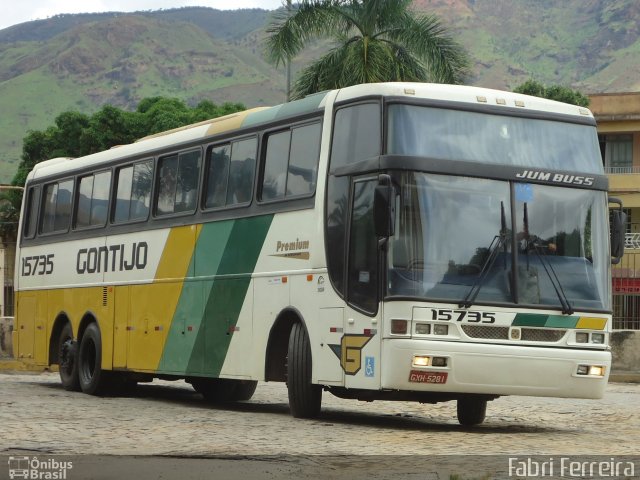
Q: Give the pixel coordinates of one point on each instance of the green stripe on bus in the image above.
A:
(529, 320)
(187, 320)
(540, 320)
(558, 321)
(224, 296)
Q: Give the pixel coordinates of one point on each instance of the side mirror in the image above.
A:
(384, 206)
(618, 231)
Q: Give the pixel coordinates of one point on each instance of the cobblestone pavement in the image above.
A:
(168, 418)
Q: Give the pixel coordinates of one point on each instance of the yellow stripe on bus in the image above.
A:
(592, 323)
(230, 122)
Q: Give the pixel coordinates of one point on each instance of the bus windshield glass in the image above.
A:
(455, 235)
(496, 139)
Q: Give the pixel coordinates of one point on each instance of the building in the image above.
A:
(618, 117)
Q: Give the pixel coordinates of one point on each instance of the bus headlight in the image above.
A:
(420, 361)
(597, 338)
(582, 337)
(423, 328)
(591, 370)
(440, 329)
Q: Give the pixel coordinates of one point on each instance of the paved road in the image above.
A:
(168, 419)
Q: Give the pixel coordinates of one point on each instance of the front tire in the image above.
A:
(68, 359)
(471, 411)
(305, 398)
(93, 380)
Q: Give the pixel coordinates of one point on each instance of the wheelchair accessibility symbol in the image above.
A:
(369, 366)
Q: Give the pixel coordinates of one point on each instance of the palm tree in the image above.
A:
(376, 41)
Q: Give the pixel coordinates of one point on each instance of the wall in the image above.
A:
(6, 346)
(625, 347)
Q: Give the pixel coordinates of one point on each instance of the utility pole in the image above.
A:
(288, 60)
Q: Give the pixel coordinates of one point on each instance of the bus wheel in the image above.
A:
(68, 359)
(93, 380)
(244, 390)
(305, 398)
(222, 390)
(471, 411)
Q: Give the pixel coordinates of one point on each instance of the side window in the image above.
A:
(57, 207)
(178, 183)
(230, 172)
(31, 213)
(93, 200)
(133, 192)
(363, 250)
(291, 162)
(356, 134)
(356, 137)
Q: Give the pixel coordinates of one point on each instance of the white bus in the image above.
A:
(383, 241)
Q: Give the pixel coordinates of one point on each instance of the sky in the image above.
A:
(13, 12)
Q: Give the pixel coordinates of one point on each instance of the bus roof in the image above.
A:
(261, 115)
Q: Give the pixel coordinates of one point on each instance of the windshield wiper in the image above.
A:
(531, 244)
(494, 248)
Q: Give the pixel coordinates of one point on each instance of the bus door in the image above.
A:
(361, 343)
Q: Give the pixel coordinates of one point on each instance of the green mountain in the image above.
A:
(84, 61)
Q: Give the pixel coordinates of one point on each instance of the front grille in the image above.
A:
(486, 332)
(541, 335)
(502, 333)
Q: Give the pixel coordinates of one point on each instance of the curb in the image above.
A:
(10, 365)
(626, 377)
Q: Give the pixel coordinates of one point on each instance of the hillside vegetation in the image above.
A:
(80, 62)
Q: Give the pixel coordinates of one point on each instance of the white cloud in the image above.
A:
(12, 12)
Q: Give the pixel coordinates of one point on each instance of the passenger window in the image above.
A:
(291, 162)
(356, 134)
(133, 192)
(57, 207)
(31, 214)
(230, 173)
(275, 166)
(93, 200)
(178, 183)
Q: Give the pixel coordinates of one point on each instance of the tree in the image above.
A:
(75, 134)
(554, 92)
(376, 41)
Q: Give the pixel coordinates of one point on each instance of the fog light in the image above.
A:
(596, 371)
(597, 338)
(582, 337)
(399, 327)
(583, 369)
(440, 329)
(420, 361)
(439, 362)
(423, 328)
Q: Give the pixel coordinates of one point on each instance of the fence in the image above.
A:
(626, 286)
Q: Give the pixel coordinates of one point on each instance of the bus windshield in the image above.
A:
(495, 139)
(456, 234)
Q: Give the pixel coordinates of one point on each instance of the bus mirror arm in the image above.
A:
(618, 231)
(384, 208)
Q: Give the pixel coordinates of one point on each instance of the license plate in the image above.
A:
(417, 376)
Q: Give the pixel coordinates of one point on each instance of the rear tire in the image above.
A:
(68, 359)
(93, 380)
(471, 411)
(305, 398)
(224, 390)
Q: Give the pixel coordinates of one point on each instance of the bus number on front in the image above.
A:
(446, 315)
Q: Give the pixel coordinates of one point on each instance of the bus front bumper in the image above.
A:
(493, 369)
